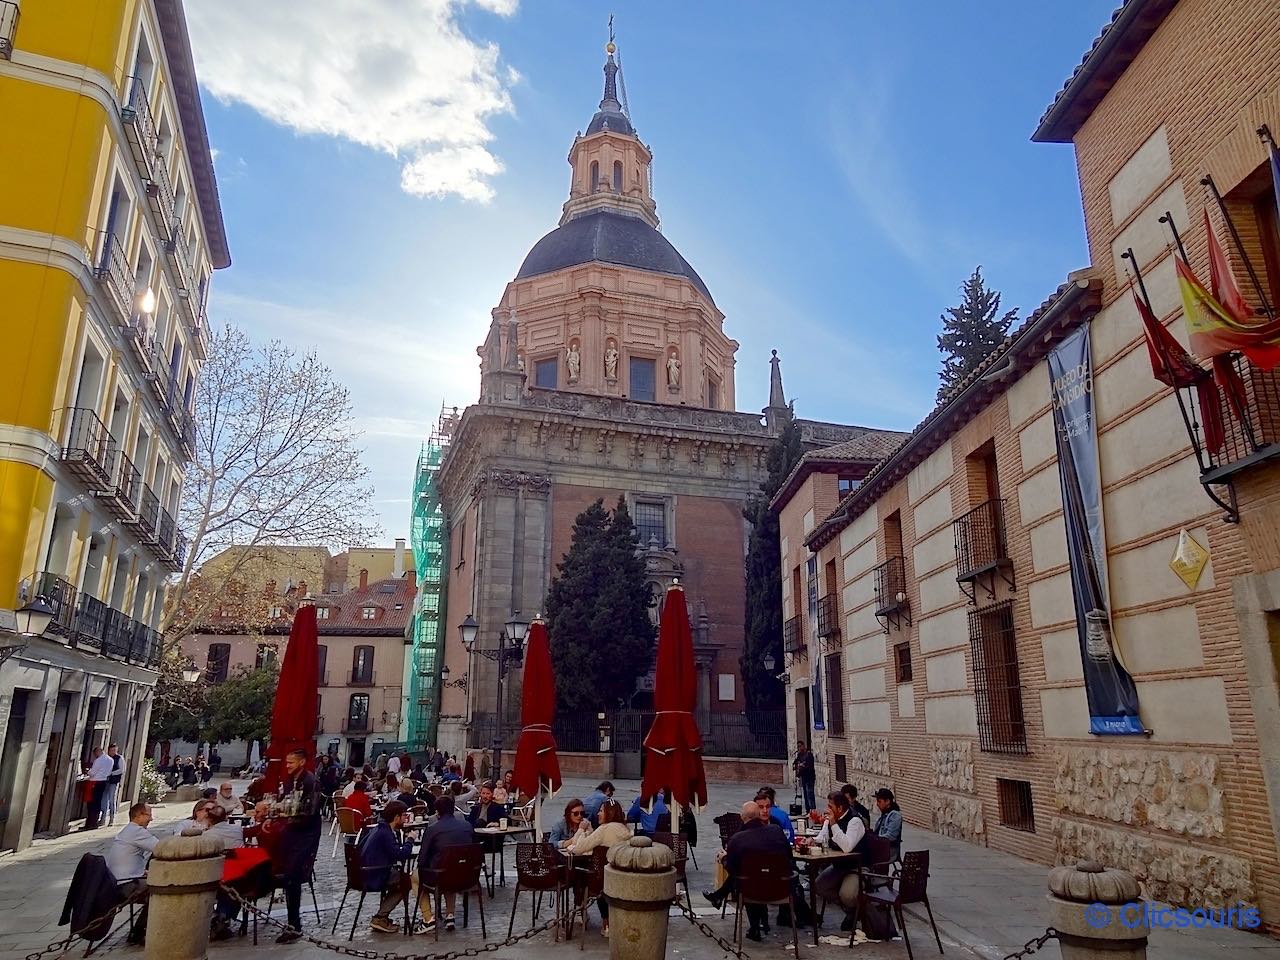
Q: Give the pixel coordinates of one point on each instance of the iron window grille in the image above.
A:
(892, 605)
(1002, 726)
(1016, 809)
(842, 768)
(835, 695)
(792, 636)
(829, 618)
(982, 549)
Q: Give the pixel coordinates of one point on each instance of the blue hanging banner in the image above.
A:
(815, 657)
(1113, 698)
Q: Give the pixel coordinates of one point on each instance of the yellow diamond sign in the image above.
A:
(1189, 559)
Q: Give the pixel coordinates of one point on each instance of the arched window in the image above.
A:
(595, 175)
(617, 176)
(362, 665)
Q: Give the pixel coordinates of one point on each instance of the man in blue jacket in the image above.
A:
(448, 831)
(646, 818)
(381, 853)
(775, 813)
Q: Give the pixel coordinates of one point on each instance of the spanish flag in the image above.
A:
(1222, 321)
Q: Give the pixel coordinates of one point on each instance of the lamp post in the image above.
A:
(32, 620)
(508, 653)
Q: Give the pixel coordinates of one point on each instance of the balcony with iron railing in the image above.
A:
(982, 549)
(829, 620)
(179, 550)
(119, 495)
(362, 678)
(890, 580)
(9, 15)
(59, 594)
(165, 530)
(1251, 434)
(181, 259)
(90, 622)
(89, 450)
(148, 516)
(161, 200)
(140, 126)
(111, 269)
(792, 636)
(355, 725)
(84, 622)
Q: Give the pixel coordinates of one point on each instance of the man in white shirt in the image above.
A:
(111, 794)
(393, 764)
(100, 768)
(842, 830)
(128, 853)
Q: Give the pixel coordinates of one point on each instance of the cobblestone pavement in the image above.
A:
(987, 904)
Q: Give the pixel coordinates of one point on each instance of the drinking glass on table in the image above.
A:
(502, 824)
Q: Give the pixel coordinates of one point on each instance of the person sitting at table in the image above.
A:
(359, 801)
(486, 811)
(889, 825)
(775, 814)
(506, 790)
(842, 830)
(231, 834)
(463, 793)
(449, 830)
(199, 819)
(611, 831)
(126, 859)
(227, 795)
(593, 800)
(418, 775)
(380, 853)
(390, 785)
(256, 790)
(449, 775)
(645, 816)
(759, 834)
(850, 791)
(563, 830)
(408, 792)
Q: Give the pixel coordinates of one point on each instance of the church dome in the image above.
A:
(608, 237)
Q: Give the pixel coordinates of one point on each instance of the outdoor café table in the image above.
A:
(814, 860)
(511, 831)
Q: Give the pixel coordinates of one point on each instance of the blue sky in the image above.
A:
(833, 171)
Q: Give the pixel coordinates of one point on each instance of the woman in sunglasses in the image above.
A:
(566, 828)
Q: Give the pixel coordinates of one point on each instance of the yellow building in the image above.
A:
(110, 229)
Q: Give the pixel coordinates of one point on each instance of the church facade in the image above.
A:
(606, 372)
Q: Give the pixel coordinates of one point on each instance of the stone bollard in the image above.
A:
(640, 883)
(182, 881)
(188, 793)
(1089, 907)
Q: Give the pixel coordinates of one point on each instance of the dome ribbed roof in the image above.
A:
(609, 238)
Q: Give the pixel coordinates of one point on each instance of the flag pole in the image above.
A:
(1188, 411)
(1207, 181)
(1177, 237)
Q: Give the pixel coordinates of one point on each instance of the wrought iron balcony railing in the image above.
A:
(1251, 435)
(111, 269)
(59, 594)
(181, 259)
(89, 451)
(982, 549)
(9, 15)
(792, 636)
(140, 126)
(165, 530)
(91, 622)
(829, 618)
(355, 725)
(362, 678)
(891, 592)
(149, 516)
(85, 622)
(160, 198)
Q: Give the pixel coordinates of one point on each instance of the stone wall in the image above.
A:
(959, 817)
(870, 754)
(1176, 873)
(1177, 792)
(952, 763)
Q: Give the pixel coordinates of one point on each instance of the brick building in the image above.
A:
(951, 642)
(606, 373)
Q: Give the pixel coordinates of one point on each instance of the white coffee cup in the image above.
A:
(502, 824)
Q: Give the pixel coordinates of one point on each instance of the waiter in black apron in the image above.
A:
(299, 841)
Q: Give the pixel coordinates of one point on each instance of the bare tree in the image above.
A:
(276, 462)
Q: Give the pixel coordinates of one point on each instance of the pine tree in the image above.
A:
(598, 613)
(971, 330)
(764, 575)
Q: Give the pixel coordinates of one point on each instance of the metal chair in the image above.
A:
(588, 883)
(538, 870)
(350, 823)
(680, 848)
(358, 881)
(766, 879)
(912, 887)
(459, 872)
(728, 824)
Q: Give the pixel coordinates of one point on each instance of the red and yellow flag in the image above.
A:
(1215, 330)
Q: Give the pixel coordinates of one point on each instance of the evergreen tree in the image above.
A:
(598, 613)
(971, 330)
(764, 575)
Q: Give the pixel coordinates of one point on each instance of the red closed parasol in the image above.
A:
(537, 770)
(293, 718)
(673, 748)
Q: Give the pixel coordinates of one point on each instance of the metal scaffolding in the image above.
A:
(429, 537)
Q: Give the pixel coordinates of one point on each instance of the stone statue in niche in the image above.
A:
(573, 359)
(611, 361)
(520, 362)
(673, 371)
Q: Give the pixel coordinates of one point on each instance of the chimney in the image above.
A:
(398, 570)
(364, 578)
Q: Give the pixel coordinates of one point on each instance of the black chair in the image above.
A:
(357, 881)
(680, 848)
(728, 824)
(460, 871)
(588, 884)
(539, 870)
(912, 883)
(766, 879)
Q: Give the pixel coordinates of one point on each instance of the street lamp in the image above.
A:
(769, 662)
(508, 653)
(34, 618)
(468, 629)
(190, 673)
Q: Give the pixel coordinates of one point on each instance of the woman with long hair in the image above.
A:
(611, 831)
(566, 828)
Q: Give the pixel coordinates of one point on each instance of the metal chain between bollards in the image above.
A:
(727, 945)
(392, 954)
(1031, 946)
(63, 946)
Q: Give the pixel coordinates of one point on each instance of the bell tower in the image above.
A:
(610, 164)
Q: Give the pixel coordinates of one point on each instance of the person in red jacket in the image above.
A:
(359, 800)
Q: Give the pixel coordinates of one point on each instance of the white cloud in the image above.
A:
(395, 75)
